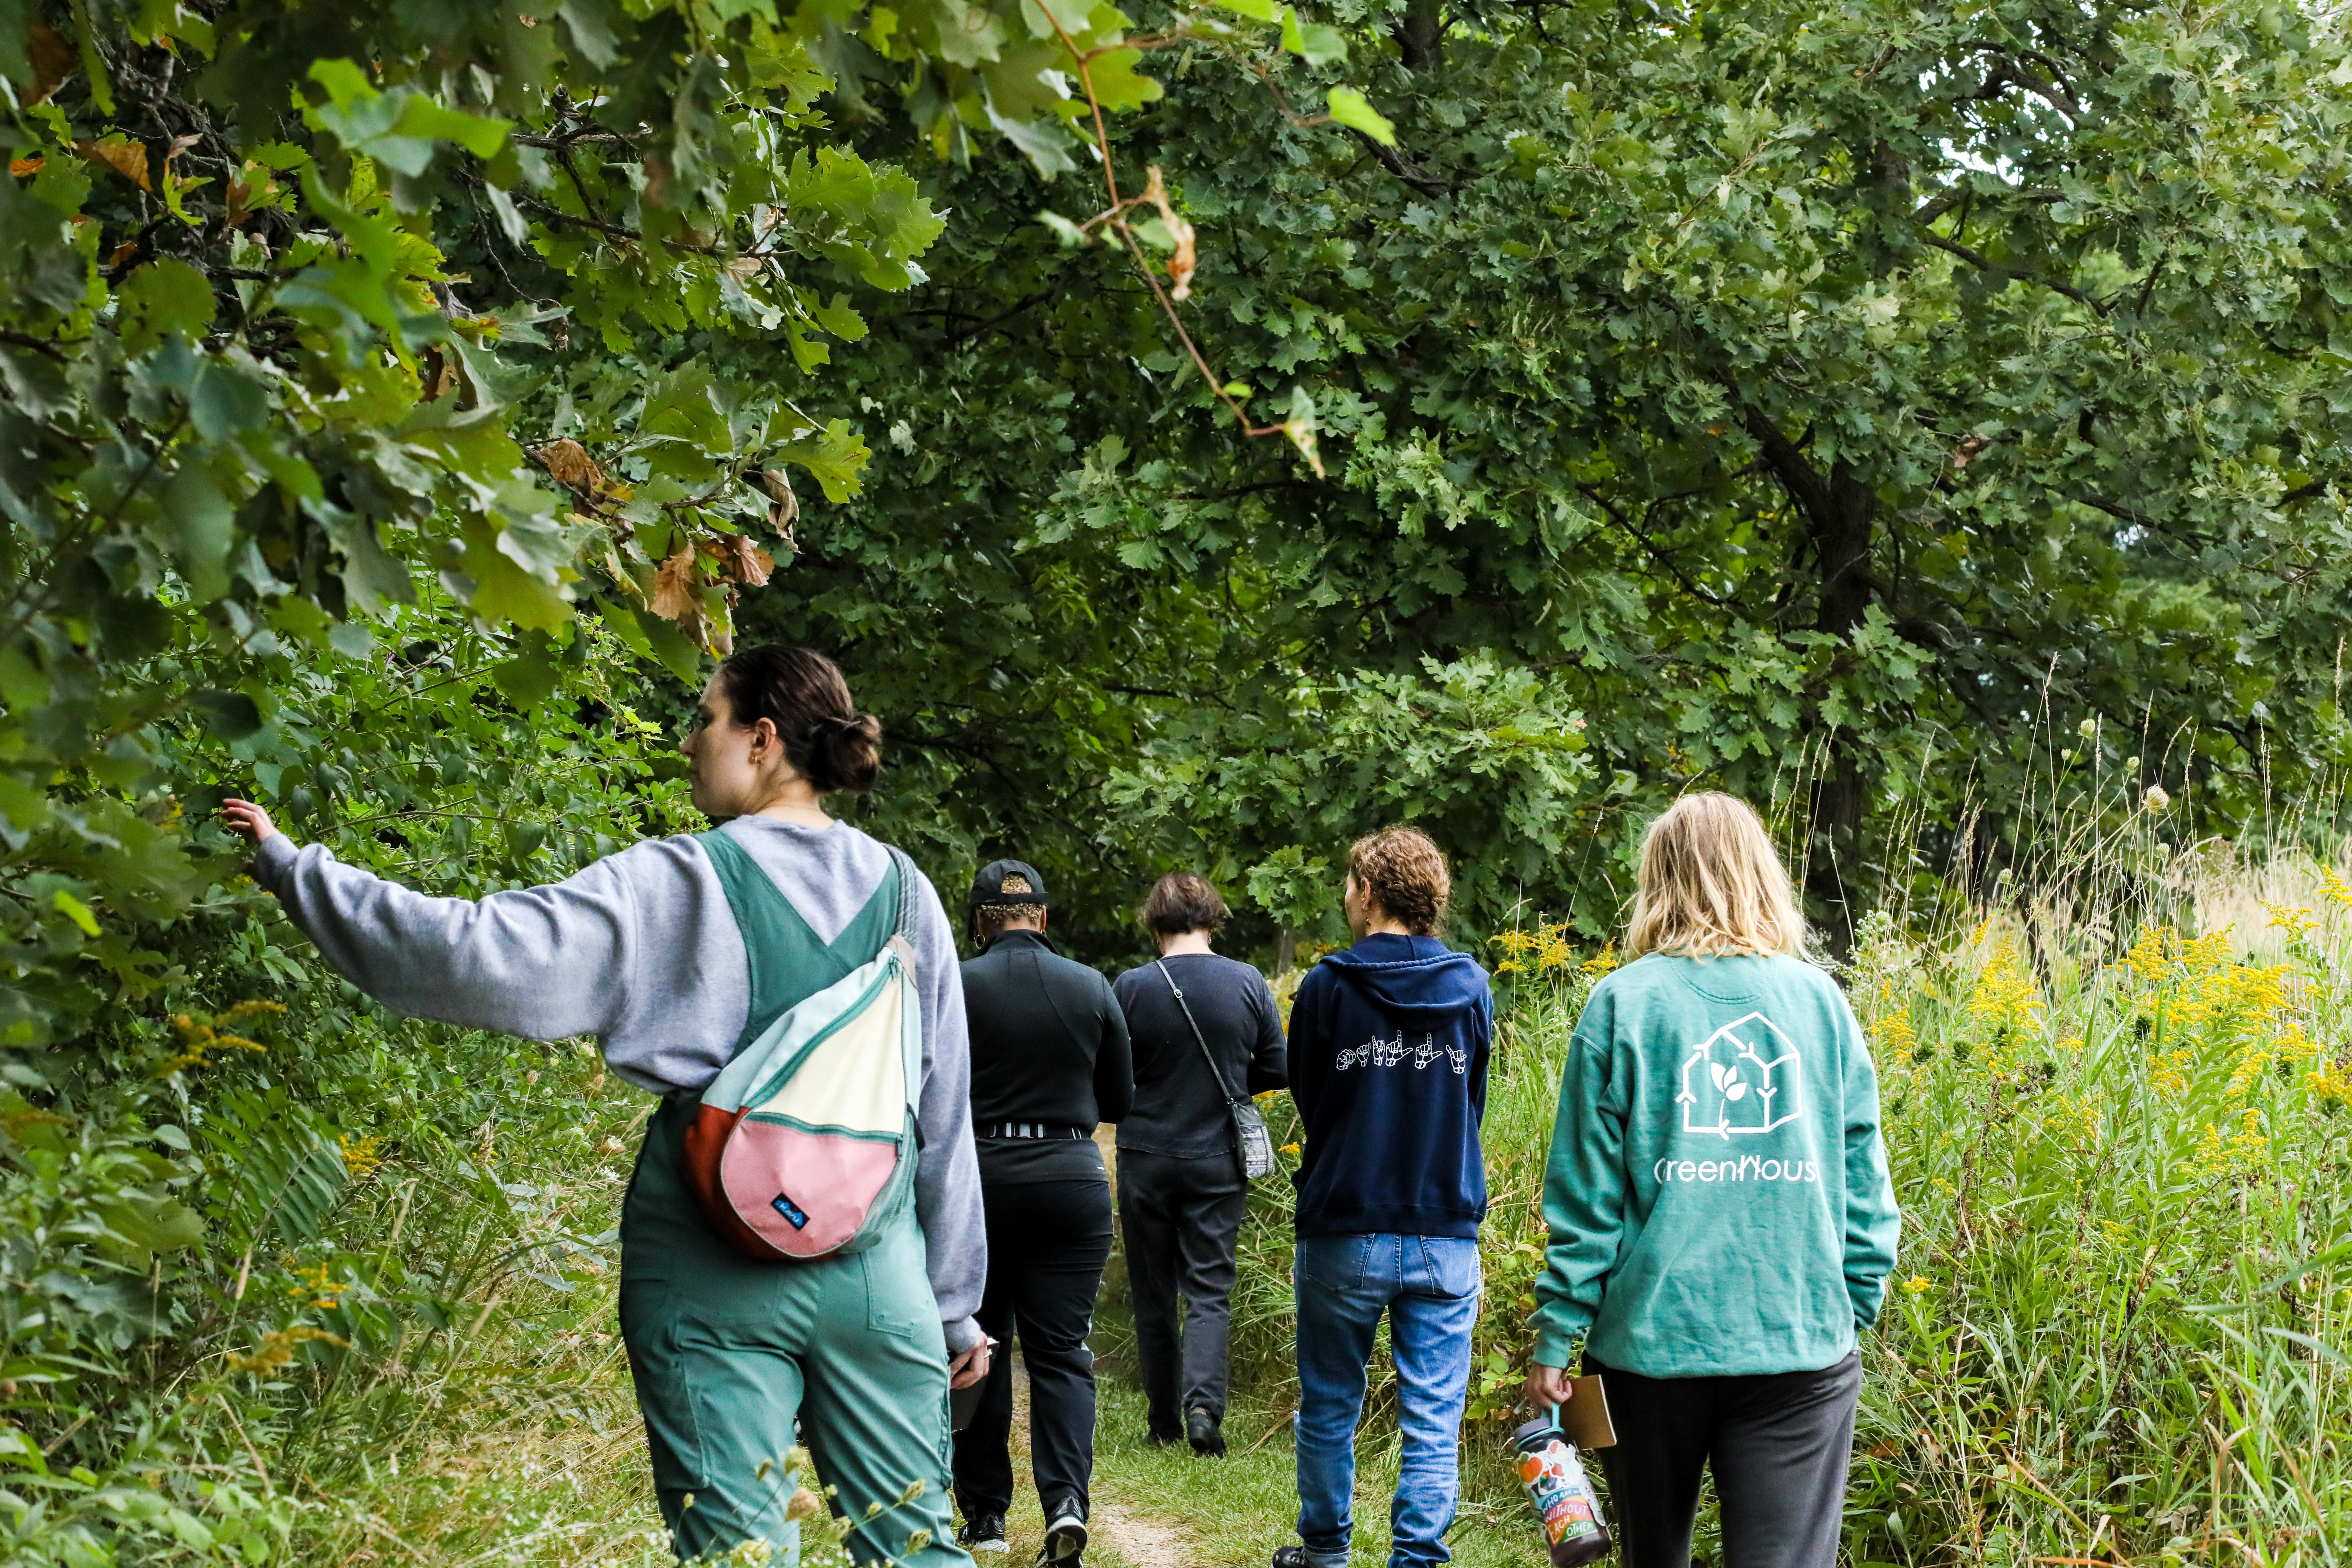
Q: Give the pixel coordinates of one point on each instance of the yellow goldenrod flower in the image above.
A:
(2296, 924)
(2150, 957)
(1918, 1285)
(2005, 994)
(1895, 1037)
(276, 1348)
(2168, 1073)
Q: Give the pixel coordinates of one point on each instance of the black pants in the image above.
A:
(1181, 1219)
(1047, 1242)
(1778, 1443)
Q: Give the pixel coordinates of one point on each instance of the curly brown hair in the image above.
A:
(989, 920)
(1405, 875)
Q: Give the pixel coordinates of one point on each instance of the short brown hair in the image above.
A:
(1183, 901)
(1404, 875)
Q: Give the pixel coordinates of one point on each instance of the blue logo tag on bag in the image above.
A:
(791, 1211)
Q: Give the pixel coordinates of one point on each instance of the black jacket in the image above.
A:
(1179, 1109)
(1048, 1046)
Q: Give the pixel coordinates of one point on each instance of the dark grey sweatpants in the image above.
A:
(1181, 1220)
(1778, 1444)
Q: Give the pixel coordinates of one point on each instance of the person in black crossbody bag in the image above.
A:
(1206, 1035)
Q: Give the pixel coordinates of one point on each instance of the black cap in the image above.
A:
(1536, 1434)
(1008, 884)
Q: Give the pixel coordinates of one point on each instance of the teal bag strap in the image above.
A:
(902, 865)
(788, 962)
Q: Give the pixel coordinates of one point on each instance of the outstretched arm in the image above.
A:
(542, 962)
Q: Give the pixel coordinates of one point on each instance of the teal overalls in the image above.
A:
(726, 1351)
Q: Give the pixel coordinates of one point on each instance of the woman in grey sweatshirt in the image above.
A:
(644, 951)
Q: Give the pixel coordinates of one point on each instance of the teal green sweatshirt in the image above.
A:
(1717, 1194)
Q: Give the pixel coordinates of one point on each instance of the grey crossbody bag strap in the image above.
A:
(1251, 1140)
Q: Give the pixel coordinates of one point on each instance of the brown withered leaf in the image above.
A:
(786, 509)
(122, 254)
(744, 561)
(121, 155)
(675, 584)
(436, 372)
(179, 145)
(1182, 264)
(53, 60)
(20, 167)
(569, 464)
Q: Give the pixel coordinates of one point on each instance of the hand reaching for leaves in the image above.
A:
(244, 817)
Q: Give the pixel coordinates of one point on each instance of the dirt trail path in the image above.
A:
(1135, 1540)
(1125, 1534)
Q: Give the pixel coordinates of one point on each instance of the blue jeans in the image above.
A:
(1428, 1285)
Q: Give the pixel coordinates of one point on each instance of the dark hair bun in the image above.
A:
(843, 754)
(802, 693)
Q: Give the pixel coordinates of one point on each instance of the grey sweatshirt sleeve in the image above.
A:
(947, 1180)
(638, 950)
(541, 963)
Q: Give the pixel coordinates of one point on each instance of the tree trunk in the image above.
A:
(1838, 511)
(1422, 35)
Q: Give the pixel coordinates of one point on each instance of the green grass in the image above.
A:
(1233, 1512)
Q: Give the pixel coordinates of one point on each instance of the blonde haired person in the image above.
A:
(1722, 1225)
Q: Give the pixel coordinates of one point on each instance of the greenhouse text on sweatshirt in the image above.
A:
(1717, 1195)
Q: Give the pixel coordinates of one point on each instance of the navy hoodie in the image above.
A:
(1388, 1065)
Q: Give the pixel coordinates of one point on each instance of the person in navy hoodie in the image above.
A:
(1388, 1054)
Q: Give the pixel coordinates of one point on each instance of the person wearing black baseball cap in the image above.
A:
(1049, 1060)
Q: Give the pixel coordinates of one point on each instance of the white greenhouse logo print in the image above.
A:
(1744, 1078)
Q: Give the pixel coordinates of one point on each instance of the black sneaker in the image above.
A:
(984, 1532)
(1065, 1538)
(1205, 1430)
(1290, 1557)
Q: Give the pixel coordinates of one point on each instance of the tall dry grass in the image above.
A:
(2117, 1096)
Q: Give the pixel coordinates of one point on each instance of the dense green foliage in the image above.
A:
(1818, 401)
